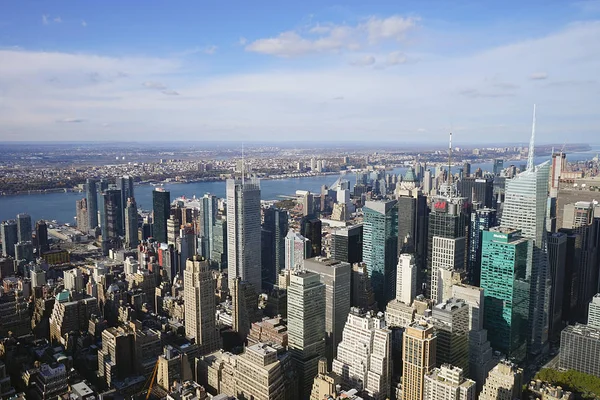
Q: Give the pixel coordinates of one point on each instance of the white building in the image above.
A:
(504, 382)
(244, 231)
(594, 312)
(448, 383)
(364, 354)
(406, 279)
(73, 280)
(297, 247)
(448, 256)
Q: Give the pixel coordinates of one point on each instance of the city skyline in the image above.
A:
(74, 71)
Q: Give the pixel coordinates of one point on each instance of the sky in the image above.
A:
(314, 70)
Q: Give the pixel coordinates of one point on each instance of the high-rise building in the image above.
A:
(557, 258)
(380, 247)
(580, 349)
(260, 374)
(307, 200)
(306, 326)
(418, 359)
(361, 292)
(218, 254)
(112, 224)
(125, 185)
(325, 383)
(8, 229)
(481, 219)
(594, 312)
(161, 206)
(92, 202)
(68, 316)
(207, 215)
(526, 199)
(504, 382)
(498, 166)
(311, 228)
(412, 218)
(200, 308)
(116, 359)
(243, 231)
(506, 281)
(23, 227)
(406, 279)
(81, 215)
(478, 190)
(364, 355)
(447, 264)
(451, 321)
(244, 306)
(276, 224)
(336, 277)
(297, 249)
(73, 280)
(481, 359)
(449, 383)
(41, 235)
(346, 244)
(559, 164)
(173, 229)
(131, 224)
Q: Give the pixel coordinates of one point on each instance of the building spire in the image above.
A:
(530, 165)
(450, 160)
(243, 172)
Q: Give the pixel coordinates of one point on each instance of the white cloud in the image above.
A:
(154, 85)
(170, 92)
(71, 120)
(58, 20)
(212, 49)
(83, 23)
(395, 58)
(538, 76)
(363, 61)
(45, 19)
(242, 41)
(334, 38)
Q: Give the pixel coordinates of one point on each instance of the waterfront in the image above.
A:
(61, 206)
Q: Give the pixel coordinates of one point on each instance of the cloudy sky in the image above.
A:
(300, 70)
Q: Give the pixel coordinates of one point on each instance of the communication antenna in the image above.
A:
(243, 163)
(531, 144)
(450, 160)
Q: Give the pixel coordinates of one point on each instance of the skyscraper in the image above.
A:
(92, 202)
(447, 266)
(506, 282)
(336, 276)
(9, 237)
(418, 359)
(346, 244)
(81, 213)
(557, 258)
(481, 219)
(478, 190)
(161, 208)
(594, 312)
(207, 215)
(198, 292)
(310, 228)
(306, 326)
(406, 279)
(131, 224)
(449, 383)
(41, 235)
(243, 231)
(451, 321)
(125, 185)
(498, 166)
(276, 223)
(505, 381)
(112, 225)
(380, 244)
(23, 227)
(364, 355)
(525, 209)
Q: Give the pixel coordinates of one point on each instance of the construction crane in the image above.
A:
(150, 381)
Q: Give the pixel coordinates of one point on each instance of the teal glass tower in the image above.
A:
(380, 248)
(506, 281)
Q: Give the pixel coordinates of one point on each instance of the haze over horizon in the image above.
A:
(312, 70)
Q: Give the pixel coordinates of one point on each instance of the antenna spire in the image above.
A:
(450, 160)
(531, 144)
(243, 172)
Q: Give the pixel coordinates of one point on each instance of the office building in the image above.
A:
(336, 276)
(116, 358)
(311, 228)
(41, 235)
(260, 374)
(161, 206)
(361, 292)
(580, 349)
(418, 359)
(81, 215)
(243, 231)
(70, 316)
(24, 251)
(506, 282)
(297, 249)
(412, 218)
(526, 199)
(346, 244)
(504, 382)
(498, 166)
(207, 215)
(73, 280)
(557, 168)
(449, 383)
(545, 391)
(244, 306)
(275, 229)
(447, 263)
(112, 224)
(557, 258)
(451, 321)
(200, 308)
(306, 326)
(325, 383)
(125, 185)
(380, 247)
(91, 197)
(406, 279)
(131, 224)
(364, 355)
(50, 382)
(9, 232)
(478, 190)
(594, 312)
(23, 228)
(482, 219)
(218, 254)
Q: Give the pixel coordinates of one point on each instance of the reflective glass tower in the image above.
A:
(161, 206)
(92, 203)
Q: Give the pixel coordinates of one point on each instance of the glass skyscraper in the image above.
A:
(161, 208)
(92, 203)
(380, 248)
(505, 278)
(481, 220)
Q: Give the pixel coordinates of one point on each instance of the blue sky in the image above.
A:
(294, 70)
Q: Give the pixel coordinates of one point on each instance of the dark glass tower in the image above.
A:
(480, 190)
(112, 225)
(310, 228)
(346, 244)
(41, 236)
(8, 229)
(125, 185)
(131, 224)
(481, 220)
(91, 196)
(161, 205)
(23, 228)
(276, 224)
